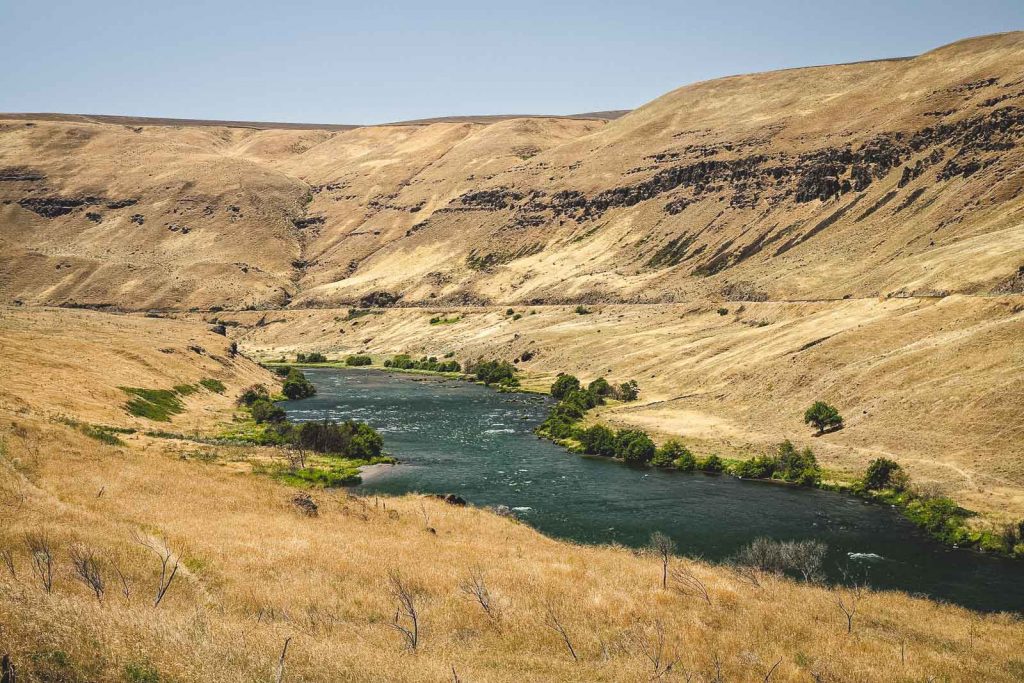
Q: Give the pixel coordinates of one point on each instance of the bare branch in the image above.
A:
(42, 559)
(280, 662)
(650, 641)
(686, 582)
(169, 561)
(406, 620)
(554, 623)
(87, 569)
(475, 587)
(7, 558)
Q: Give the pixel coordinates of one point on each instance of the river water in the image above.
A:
(462, 438)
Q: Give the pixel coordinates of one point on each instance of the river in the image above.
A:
(457, 437)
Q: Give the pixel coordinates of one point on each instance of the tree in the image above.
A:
(563, 385)
(712, 464)
(824, 417)
(600, 387)
(674, 453)
(297, 386)
(264, 411)
(634, 446)
(598, 440)
(628, 391)
(884, 473)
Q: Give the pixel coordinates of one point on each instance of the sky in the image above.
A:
(379, 60)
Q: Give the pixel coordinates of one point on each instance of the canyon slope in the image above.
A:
(859, 180)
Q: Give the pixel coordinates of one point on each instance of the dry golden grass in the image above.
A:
(255, 571)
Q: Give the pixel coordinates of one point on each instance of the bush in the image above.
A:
(499, 372)
(598, 440)
(798, 467)
(941, 517)
(824, 417)
(214, 385)
(884, 473)
(357, 361)
(153, 404)
(563, 384)
(432, 364)
(582, 310)
(297, 386)
(627, 391)
(314, 357)
(634, 446)
(676, 454)
(723, 311)
(264, 411)
(252, 394)
(712, 464)
(803, 559)
(600, 387)
(281, 372)
(349, 439)
(788, 464)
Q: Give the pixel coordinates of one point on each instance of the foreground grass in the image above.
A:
(255, 570)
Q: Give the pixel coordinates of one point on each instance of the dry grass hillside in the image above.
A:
(894, 176)
(254, 572)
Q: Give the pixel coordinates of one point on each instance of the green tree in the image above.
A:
(674, 453)
(563, 385)
(600, 387)
(884, 473)
(598, 440)
(628, 391)
(297, 386)
(634, 446)
(824, 417)
(712, 464)
(264, 411)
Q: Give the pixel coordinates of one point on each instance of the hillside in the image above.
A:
(254, 572)
(868, 179)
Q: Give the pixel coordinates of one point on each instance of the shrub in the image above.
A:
(357, 361)
(499, 372)
(281, 372)
(349, 439)
(582, 310)
(627, 391)
(252, 394)
(264, 411)
(598, 440)
(405, 362)
(634, 446)
(941, 517)
(712, 464)
(824, 417)
(679, 455)
(563, 384)
(214, 385)
(798, 467)
(600, 387)
(153, 404)
(723, 311)
(884, 473)
(313, 357)
(297, 386)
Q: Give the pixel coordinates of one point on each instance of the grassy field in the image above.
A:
(255, 570)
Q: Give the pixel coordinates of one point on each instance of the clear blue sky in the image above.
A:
(376, 61)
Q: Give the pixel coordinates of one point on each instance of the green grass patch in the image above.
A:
(186, 389)
(214, 385)
(438, 320)
(153, 404)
